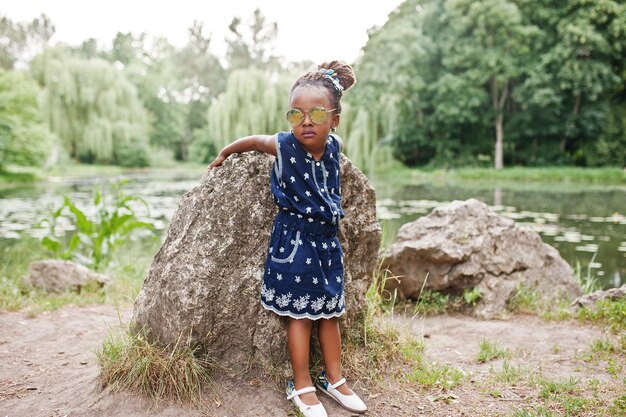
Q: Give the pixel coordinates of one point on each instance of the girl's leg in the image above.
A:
(330, 344)
(299, 339)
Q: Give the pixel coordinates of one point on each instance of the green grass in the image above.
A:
(508, 175)
(509, 374)
(431, 302)
(548, 388)
(132, 261)
(490, 351)
(610, 313)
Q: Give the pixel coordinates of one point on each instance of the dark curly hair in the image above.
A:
(344, 73)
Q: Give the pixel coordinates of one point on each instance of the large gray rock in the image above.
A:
(53, 275)
(204, 282)
(463, 245)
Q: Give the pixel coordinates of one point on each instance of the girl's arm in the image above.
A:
(263, 143)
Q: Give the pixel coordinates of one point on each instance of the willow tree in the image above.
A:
(254, 101)
(93, 109)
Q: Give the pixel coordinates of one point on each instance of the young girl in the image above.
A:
(303, 276)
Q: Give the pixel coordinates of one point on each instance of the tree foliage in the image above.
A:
(93, 108)
(24, 139)
(254, 102)
(545, 80)
(20, 39)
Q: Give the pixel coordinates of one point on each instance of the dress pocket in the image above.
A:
(292, 254)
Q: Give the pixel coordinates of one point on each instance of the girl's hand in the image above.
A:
(218, 161)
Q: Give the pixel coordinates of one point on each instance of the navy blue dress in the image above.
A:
(304, 269)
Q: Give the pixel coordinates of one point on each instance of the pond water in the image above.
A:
(586, 224)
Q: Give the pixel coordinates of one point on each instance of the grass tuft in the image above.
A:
(129, 361)
(611, 313)
(490, 351)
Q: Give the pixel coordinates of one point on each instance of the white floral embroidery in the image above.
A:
(308, 261)
(325, 281)
(332, 303)
(308, 209)
(297, 278)
(279, 277)
(308, 193)
(310, 220)
(268, 294)
(302, 302)
(318, 304)
(306, 175)
(295, 198)
(292, 178)
(293, 242)
(342, 301)
(338, 279)
(314, 244)
(281, 249)
(324, 245)
(321, 208)
(330, 262)
(314, 280)
(283, 300)
(333, 244)
(271, 250)
(293, 160)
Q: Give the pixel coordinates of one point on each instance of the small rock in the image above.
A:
(57, 276)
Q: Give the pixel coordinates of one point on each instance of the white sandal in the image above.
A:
(351, 402)
(315, 410)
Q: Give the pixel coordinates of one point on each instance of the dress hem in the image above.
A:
(303, 315)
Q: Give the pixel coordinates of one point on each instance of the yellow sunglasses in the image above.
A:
(318, 115)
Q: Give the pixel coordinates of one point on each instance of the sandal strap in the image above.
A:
(338, 383)
(304, 390)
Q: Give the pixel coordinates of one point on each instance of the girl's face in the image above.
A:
(312, 136)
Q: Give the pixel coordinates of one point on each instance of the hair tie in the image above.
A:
(332, 75)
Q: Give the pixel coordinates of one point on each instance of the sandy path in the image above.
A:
(48, 367)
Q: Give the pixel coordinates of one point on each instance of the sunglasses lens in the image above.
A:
(294, 117)
(318, 115)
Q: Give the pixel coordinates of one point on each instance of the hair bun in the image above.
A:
(344, 72)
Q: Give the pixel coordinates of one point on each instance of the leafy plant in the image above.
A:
(95, 238)
(588, 282)
(471, 296)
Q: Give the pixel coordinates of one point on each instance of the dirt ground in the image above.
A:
(48, 368)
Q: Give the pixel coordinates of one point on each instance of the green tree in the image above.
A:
(487, 41)
(24, 139)
(93, 109)
(252, 47)
(252, 103)
(17, 39)
(578, 73)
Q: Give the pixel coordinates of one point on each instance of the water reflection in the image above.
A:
(580, 222)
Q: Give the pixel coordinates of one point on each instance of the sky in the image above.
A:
(317, 31)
